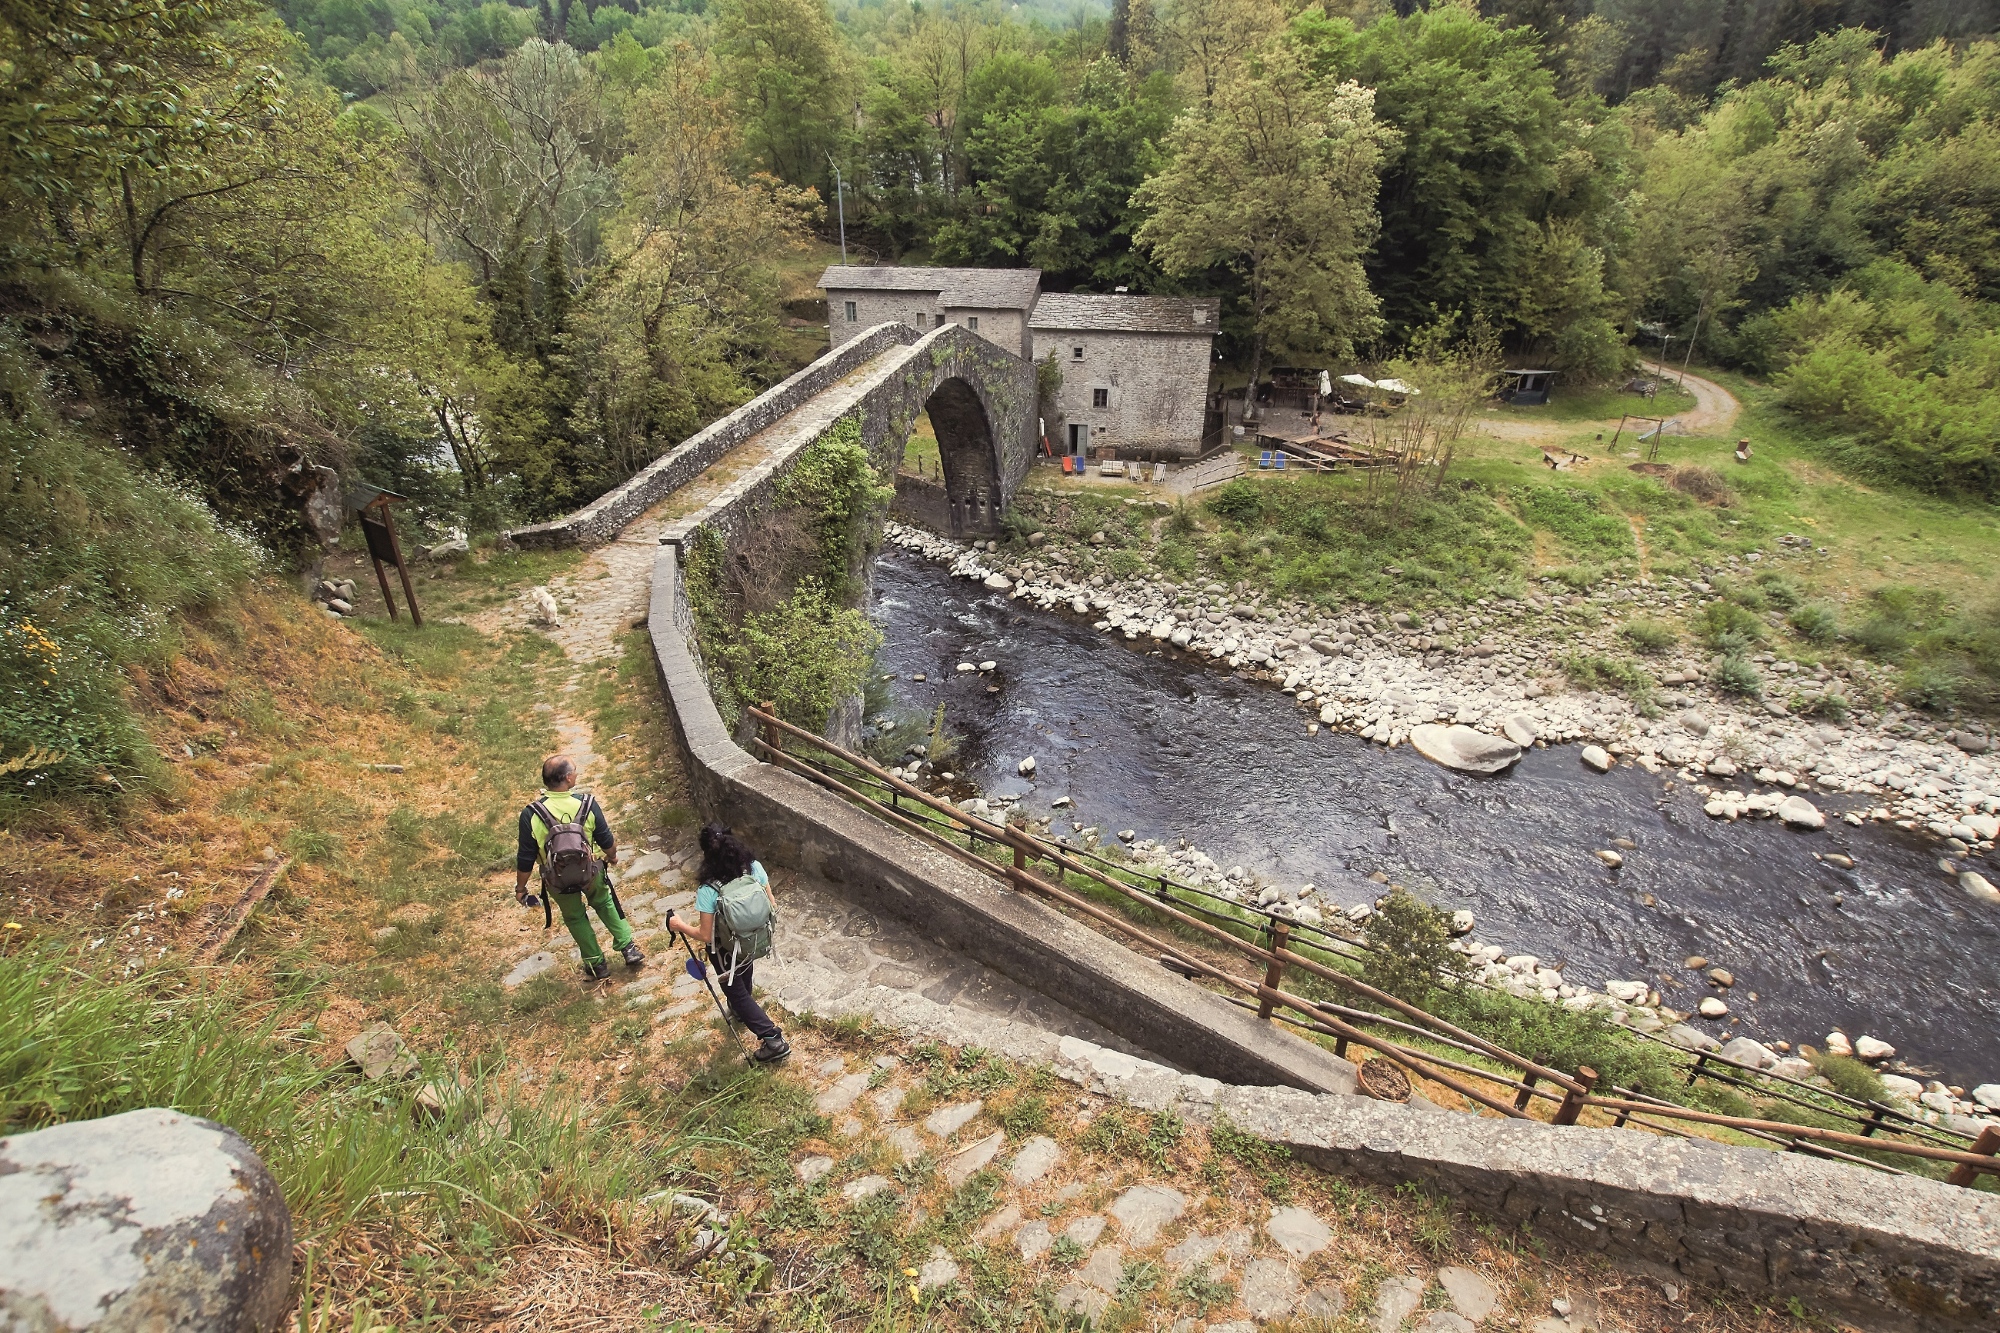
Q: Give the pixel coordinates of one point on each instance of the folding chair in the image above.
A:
(1069, 465)
(1159, 472)
(1278, 459)
(1264, 459)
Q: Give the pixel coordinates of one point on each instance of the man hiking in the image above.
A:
(728, 870)
(557, 832)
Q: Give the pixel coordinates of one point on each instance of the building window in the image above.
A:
(1076, 354)
(940, 321)
(1100, 397)
(972, 322)
(850, 312)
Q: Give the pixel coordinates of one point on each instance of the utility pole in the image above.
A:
(840, 195)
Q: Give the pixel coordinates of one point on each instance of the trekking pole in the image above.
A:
(700, 973)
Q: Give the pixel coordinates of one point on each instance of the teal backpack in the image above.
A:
(743, 921)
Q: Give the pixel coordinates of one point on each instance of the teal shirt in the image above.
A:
(706, 896)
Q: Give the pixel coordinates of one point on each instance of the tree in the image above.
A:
(787, 74)
(1205, 41)
(1275, 179)
(1502, 199)
(687, 292)
(1053, 174)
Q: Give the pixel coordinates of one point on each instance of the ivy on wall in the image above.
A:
(809, 648)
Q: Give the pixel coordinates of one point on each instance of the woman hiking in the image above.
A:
(724, 860)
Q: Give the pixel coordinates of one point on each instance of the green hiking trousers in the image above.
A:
(577, 918)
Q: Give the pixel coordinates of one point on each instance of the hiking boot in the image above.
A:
(772, 1051)
(632, 954)
(596, 971)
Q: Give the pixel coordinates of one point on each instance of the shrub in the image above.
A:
(1737, 675)
(1932, 686)
(1240, 503)
(1832, 706)
(1816, 622)
(1410, 948)
(1182, 522)
(1593, 671)
(1778, 590)
(1880, 637)
(1650, 636)
(1719, 620)
(806, 654)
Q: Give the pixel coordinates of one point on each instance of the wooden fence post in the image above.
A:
(1274, 975)
(772, 736)
(1572, 1103)
(1700, 1067)
(1522, 1097)
(1965, 1173)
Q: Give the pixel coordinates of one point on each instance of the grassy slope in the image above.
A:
(1503, 519)
(559, 1112)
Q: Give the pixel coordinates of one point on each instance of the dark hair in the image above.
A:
(724, 856)
(557, 768)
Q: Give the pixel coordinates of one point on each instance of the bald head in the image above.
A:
(558, 772)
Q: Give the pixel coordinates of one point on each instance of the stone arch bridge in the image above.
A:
(981, 401)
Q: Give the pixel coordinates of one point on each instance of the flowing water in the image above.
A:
(1157, 741)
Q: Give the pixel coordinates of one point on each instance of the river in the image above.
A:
(1157, 741)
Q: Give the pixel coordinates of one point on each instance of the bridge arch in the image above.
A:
(981, 402)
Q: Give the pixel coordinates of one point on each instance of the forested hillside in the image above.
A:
(497, 257)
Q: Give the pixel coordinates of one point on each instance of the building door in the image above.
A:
(1079, 436)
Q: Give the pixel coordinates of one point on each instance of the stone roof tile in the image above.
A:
(1125, 314)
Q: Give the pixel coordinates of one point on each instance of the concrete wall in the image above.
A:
(1156, 384)
(603, 518)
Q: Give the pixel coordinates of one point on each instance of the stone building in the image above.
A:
(1134, 371)
(1134, 368)
(992, 302)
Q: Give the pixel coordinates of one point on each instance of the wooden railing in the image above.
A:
(1507, 1091)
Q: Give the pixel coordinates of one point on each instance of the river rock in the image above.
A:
(1837, 1044)
(1596, 757)
(1520, 729)
(1987, 1095)
(1747, 1052)
(1871, 1049)
(1690, 1039)
(1904, 1089)
(1722, 767)
(1712, 1008)
(149, 1219)
(1464, 749)
(1975, 885)
(1026, 767)
(1461, 922)
(1798, 812)
(1721, 976)
(1610, 858)
(997, 582)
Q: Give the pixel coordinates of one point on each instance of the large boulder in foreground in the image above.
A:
(1464, 749)
(151, 1220)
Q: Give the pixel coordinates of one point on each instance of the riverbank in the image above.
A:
(1453, 844)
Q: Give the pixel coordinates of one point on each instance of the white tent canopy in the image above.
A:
(1360, 380)
(1395, 386)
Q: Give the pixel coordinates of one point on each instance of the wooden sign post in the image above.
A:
(379, 527)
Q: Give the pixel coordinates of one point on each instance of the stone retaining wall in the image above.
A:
(1898, 1253)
